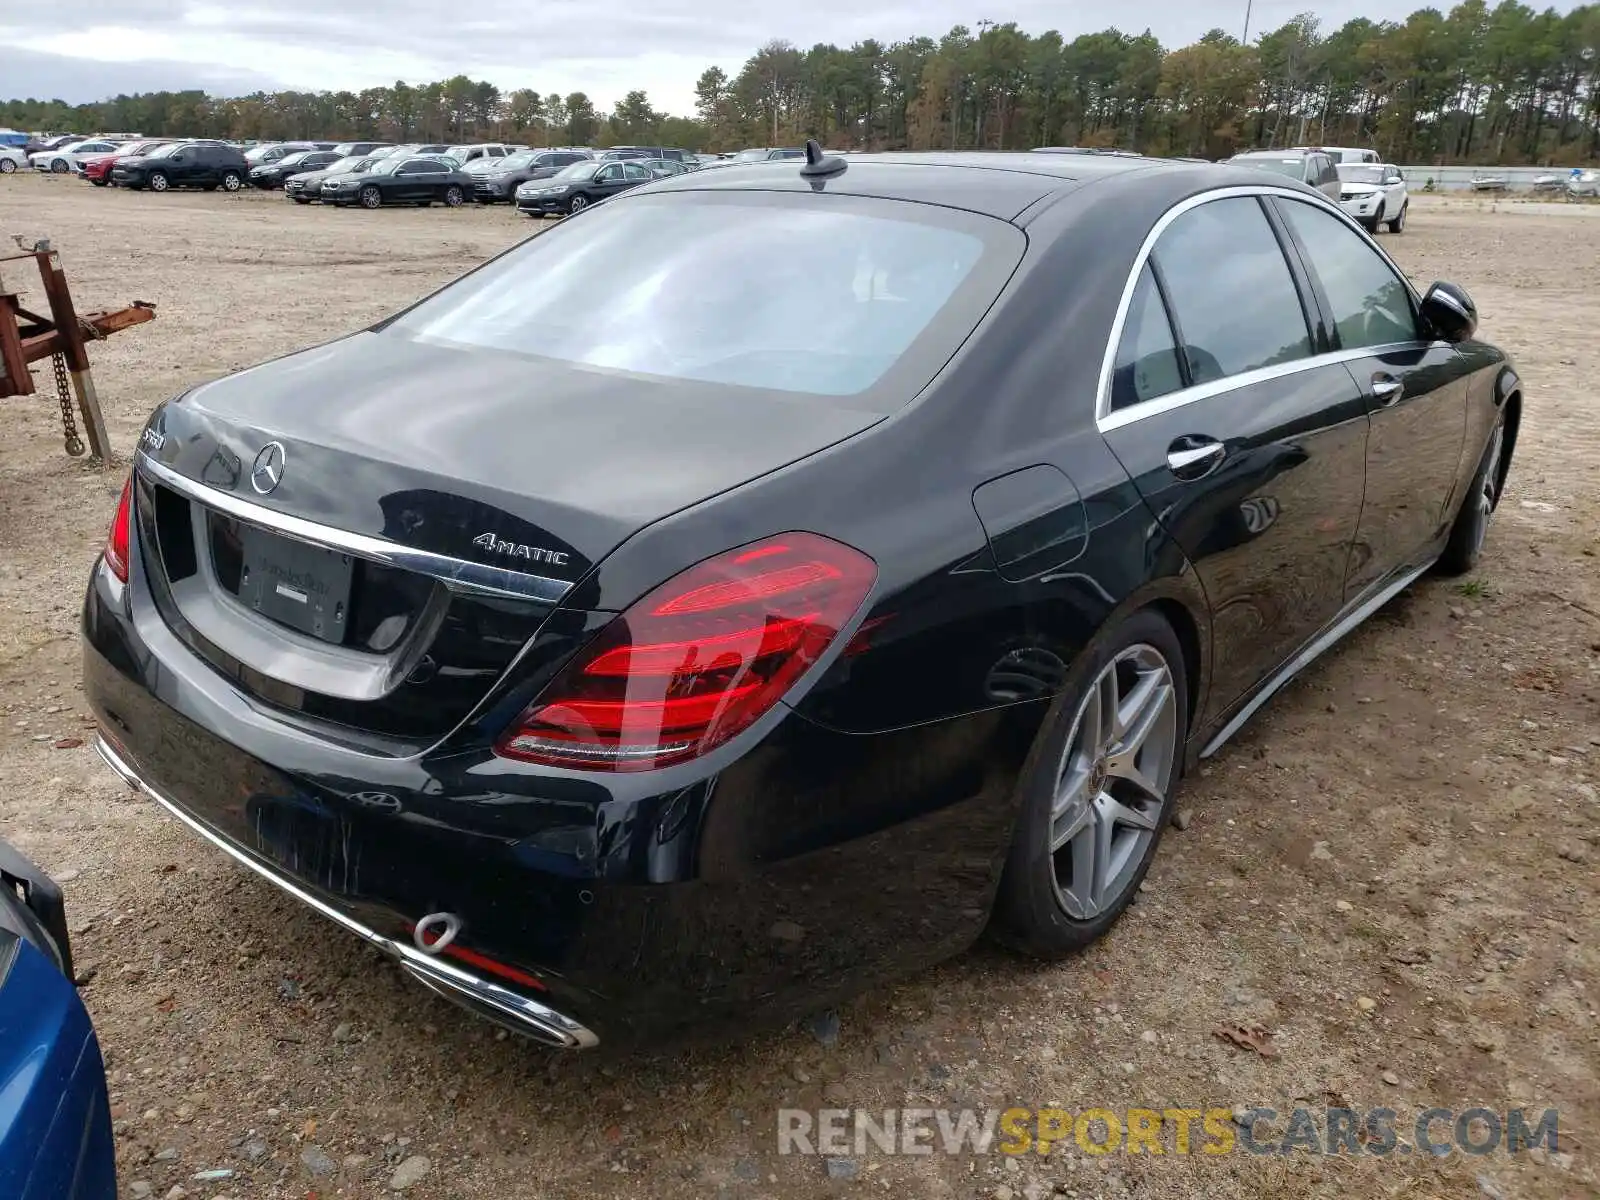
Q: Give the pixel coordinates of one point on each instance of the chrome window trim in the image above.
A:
(1230, 383)
(1107, 419)
(457, 574)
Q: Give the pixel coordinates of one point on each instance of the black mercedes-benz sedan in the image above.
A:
(272, 175)
(306, 186)
(637, 646)
(400, 179)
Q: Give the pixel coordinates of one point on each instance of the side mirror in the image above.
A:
(1392, 180)
(1450, 312)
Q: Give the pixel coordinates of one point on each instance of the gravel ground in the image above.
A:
(1391, 872)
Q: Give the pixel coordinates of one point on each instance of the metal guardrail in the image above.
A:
(1459, 179)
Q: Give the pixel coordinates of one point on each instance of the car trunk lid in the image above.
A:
(370, 532)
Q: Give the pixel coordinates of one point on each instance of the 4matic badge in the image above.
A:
(495, 544)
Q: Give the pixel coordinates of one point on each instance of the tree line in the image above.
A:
(1477, 85)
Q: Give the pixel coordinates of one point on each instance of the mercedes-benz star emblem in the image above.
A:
(268, 468)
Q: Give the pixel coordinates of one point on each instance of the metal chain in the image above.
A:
(69, 424)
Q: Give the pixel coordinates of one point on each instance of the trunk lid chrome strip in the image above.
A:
(457, 574)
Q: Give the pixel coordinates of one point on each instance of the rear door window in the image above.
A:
(1231, 292)
(840, 299)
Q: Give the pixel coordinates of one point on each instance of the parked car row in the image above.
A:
(1371, 191)
(374, 174)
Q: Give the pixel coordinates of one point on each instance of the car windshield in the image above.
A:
(1292, 167)
(288, 160)
(521, 158)
(738, 290)
(355, 162)
(1360, 173)
(750, 156)
(168, 150)
(581, 170)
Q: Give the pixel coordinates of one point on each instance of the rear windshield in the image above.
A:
(821, 296)
(1292, 167)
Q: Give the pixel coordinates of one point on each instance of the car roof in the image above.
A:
(997, 183)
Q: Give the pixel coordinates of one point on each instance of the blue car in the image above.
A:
(55, 1120)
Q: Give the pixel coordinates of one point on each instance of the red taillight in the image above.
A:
(116, 551)
(696, 661)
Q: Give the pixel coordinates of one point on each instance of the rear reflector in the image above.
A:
(116, 548)
(697, 661)
(482, 961)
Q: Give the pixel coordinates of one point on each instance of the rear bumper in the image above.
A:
(811, 866)
(487, 999)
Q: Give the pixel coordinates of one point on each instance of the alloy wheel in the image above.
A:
(578, 203)
(452, 196)
(60, 167)
(371, 197)
(1488, 489)
(158, 182)
(7, 166)
(1110, 794)
(231, 182)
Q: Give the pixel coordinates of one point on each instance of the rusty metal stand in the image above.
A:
(27, 337)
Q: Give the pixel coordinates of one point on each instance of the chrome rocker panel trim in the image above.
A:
(457, 574)
(511, 1009)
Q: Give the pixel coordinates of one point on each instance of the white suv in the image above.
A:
(65, 158)
(1374, 194)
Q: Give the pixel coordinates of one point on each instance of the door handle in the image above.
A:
(1192, 458)
(1387, 389)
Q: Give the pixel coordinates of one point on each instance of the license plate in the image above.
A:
(304, 587)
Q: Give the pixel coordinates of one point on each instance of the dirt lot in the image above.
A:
(1392, 871)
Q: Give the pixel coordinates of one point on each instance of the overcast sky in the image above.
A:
(84, 50)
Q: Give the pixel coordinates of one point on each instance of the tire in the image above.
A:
(159, 181)
(1037, 911)
(1377, 221)
(231, 181)
(301, 199)
(59, 166)
(99, 182)
(1398, 225)
(577, 204)
(1465, 544)
(453, 196)
(7, 166)
(371, 196)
